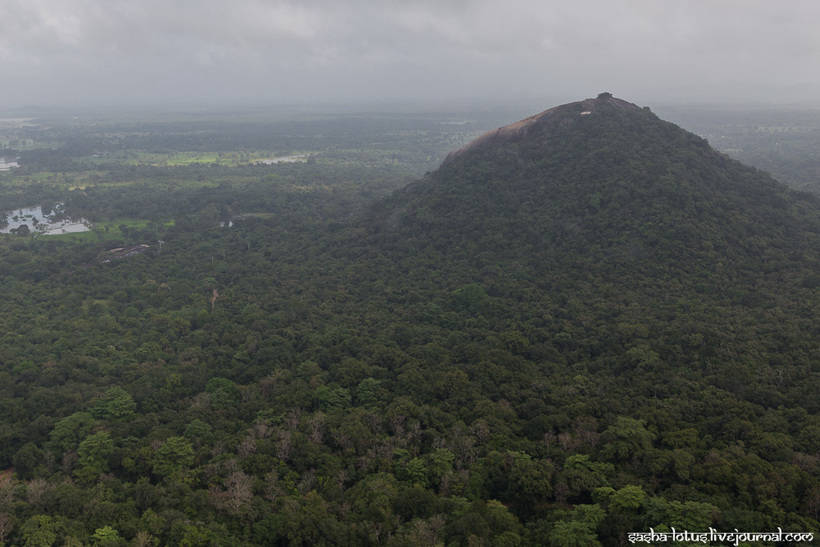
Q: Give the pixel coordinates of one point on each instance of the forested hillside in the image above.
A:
(581, 325)
(784, 141)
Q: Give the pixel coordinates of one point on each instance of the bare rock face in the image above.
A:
(557, 116)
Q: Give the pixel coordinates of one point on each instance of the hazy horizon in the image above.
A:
(213, 54)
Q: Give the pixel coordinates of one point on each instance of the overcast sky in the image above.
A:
(55, 52)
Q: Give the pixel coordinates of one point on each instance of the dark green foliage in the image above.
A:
(39, 531)
(115, 404)
(69, 431)
(593, 327)
(27, 459)
(93, 453)
(173, 458)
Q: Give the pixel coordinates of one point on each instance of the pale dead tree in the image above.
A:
(144, 539)
(214, 296)
(340, 478)
(414, 434)
(217, 497)
(283, 444)
(343, 439)
(231, 466)
(316, 424)
(481, 430)
(261, 430)
(384, 454)
(272, 487)
(397, 424)
(462, 444)
(267, 383)
(549, 439)
(813, 502)
(239, 488)
(806, 462)
(586, 430)
(307, 482)
(568, 441)
(38, 491)
(218, 449)
(444, 487)
(344, 510)
(247, 446)
(200, 401)
(427, 532)
(236, 495)
(373, 421)
(6, 526)
(69, 459)
(49, 459)
(561, 491)
(376, 457)
(7, 487)
(293, 418)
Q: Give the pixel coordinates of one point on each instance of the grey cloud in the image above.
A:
(72, 51)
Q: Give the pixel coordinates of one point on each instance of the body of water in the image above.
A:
(53, 223)
(6, 164)
(294, 158)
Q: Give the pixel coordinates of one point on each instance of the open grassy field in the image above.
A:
(111, 230)
(184, 158)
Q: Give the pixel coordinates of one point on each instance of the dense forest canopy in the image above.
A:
(581, 326)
